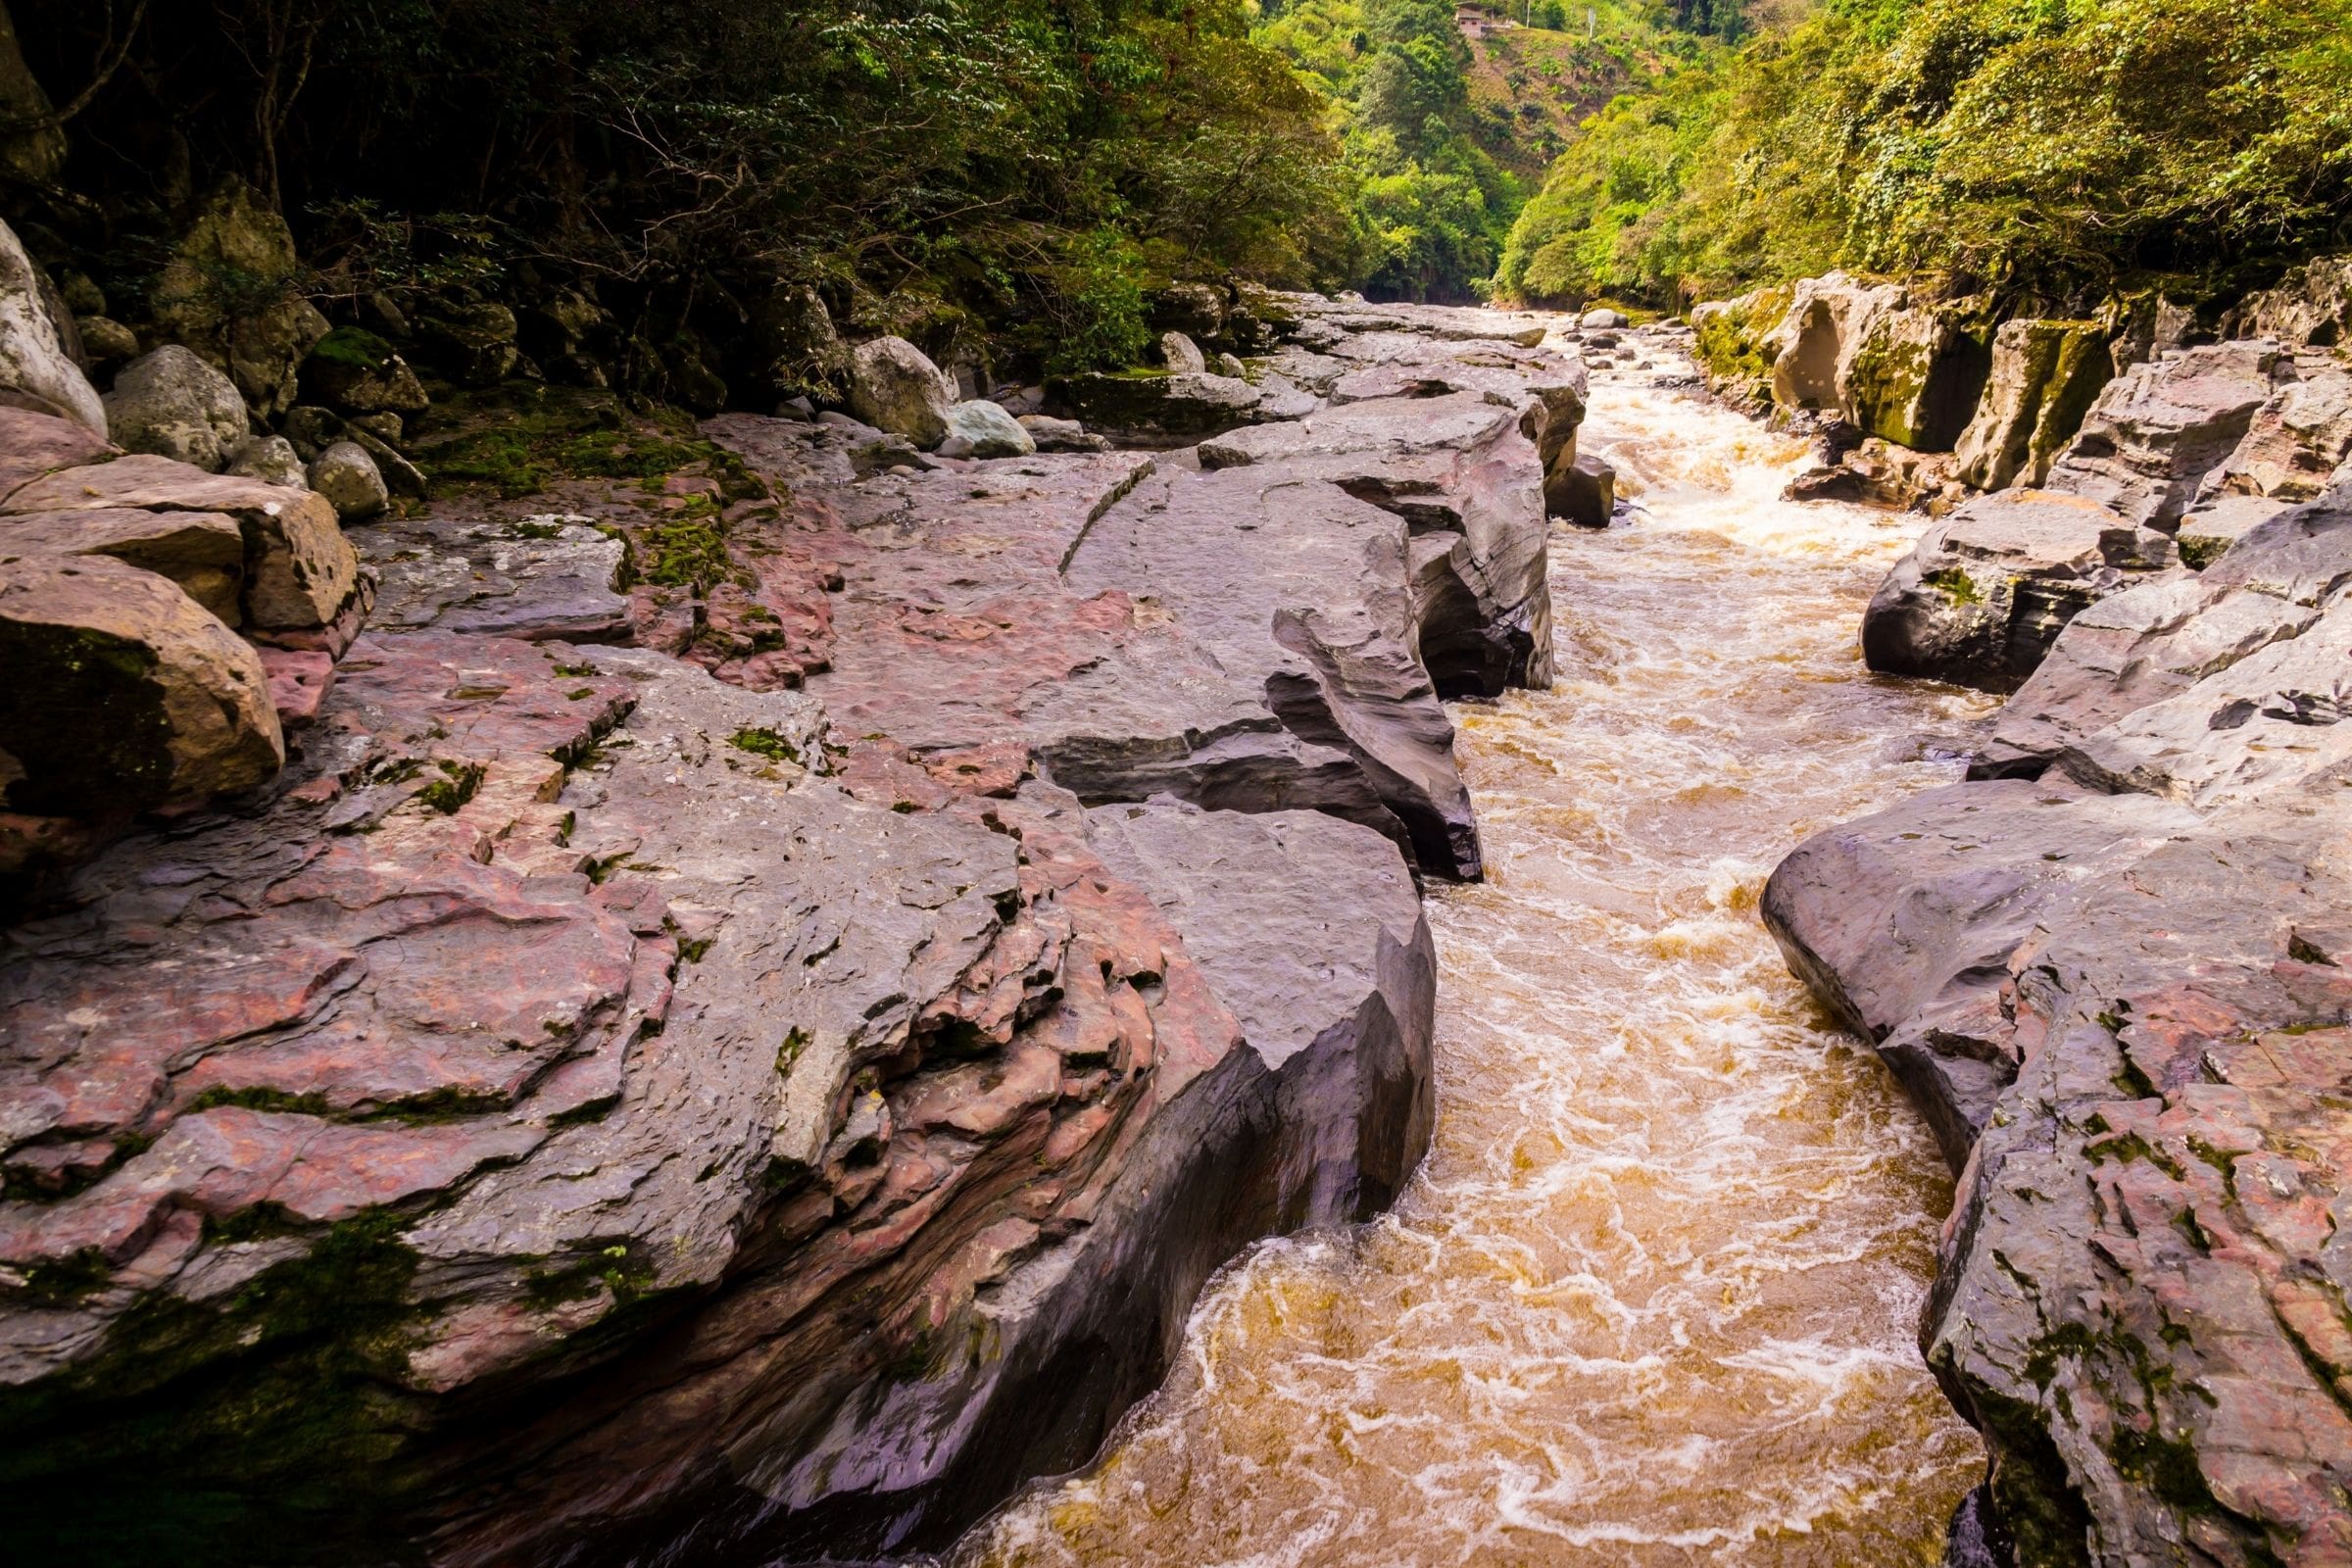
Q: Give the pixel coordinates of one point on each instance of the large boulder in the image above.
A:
(38, 370)
(123, 694)
(2119, 991)
(354, 371)
(2045, 377)
(795, 337)
(231, 291)
(1984, 593)
(2158, 639)
(983, 429)
(1181, 355)
(2160, 429)
(173, 405)
(1906, 373)
(2295, 442)
(895, 388)
(300, 571)
(34, 444)
(568, 336)
(1733, 342)
(203, 552)
(474, 343)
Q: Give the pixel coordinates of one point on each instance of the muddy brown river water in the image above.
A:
(1651, 1299)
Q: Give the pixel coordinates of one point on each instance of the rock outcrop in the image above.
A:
(2116, 983)
(1891, 369)
(1985, 592)
(2161, 427)
(2045, 376)
(597, 1104)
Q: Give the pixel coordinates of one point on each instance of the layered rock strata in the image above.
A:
(2115, 979)
(597, 1103)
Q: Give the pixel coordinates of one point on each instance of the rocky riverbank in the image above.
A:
(765, 1052)
(2111, 969)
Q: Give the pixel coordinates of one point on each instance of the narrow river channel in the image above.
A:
(1652, 1298)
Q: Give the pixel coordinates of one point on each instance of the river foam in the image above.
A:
(1651, 1301)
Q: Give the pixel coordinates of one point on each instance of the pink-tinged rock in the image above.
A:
(32, 445)
(300, 570)
(204, 551)
(298, 683)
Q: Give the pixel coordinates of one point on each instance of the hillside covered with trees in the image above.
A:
(2059, 148)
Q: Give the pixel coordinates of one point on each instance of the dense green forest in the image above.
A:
(1013, 179)
(2053, 148)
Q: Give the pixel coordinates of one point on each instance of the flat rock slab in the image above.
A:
(543, 576)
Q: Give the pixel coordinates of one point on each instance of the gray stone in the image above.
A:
(1061, 435)
(106, 342)
(1224, 363)
(2157, 430)
(982, 430)
(173, 405)
(896, 389)
(1152, 409)
(1181, 355)
(348, 477)
(270, 458)
(1984, 593)
(1603, 319)
(544, 577)
(357, 373)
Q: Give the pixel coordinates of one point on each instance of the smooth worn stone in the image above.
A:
(2118, 990)
(123, 693)
(260, 331)
(2295, 442)
(300, 571)
(204, 551)
(1584, 493)
(2163, 637)
(1181, 355)
(37, 372)
(1061, 435)
(2159, 429)
(350, 480)
(550, 576)
(894, 388)
(173, 405)
(1986, 591)
(983, 429)
(1603, 319)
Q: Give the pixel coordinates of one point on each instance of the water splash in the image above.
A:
(1651, 1301)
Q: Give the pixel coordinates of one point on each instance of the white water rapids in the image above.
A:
(1652, 1297)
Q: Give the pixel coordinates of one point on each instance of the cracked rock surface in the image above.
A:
(760, 1058)
(2115, 972)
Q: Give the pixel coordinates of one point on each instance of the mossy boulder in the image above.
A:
(355, 372)
(1730, 342)
(231, 290)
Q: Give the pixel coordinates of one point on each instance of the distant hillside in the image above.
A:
(1532, 86)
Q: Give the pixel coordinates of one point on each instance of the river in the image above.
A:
(1652, 1297)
